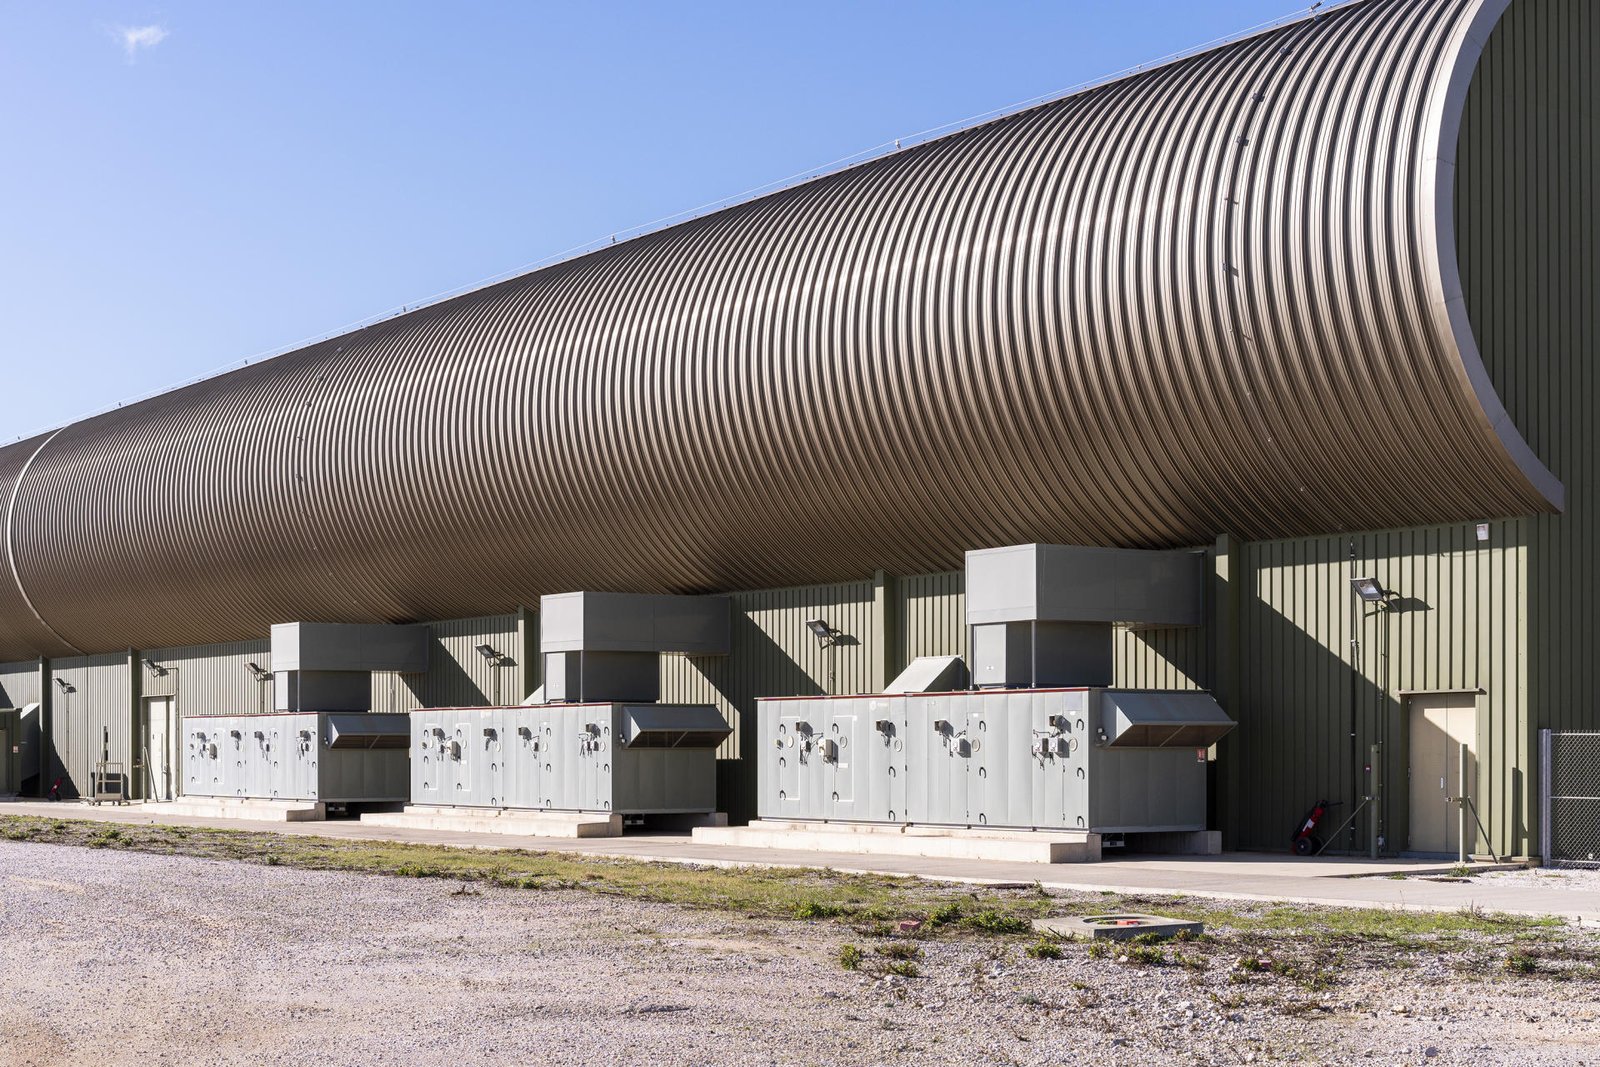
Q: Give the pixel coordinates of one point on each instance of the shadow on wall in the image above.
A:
(1316, 664)
(759, 665)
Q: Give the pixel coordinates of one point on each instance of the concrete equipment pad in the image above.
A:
(241, 808)
(499, 821)
(1011, 846)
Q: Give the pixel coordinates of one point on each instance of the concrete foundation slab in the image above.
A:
(1116, 927)
(1014, 846)
(241, 808)
(516, 821)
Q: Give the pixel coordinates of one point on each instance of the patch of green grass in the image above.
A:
(850, 957)
(1044, 950)
(1129, 951)
(903, 968)
(1521, 962)
(990, 921)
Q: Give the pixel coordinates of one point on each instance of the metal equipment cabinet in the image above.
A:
(598, 757)
(331, 757)
(1100, 760)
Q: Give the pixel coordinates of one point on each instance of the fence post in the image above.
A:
(1545, 790)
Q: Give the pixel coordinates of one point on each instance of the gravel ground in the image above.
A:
(125, 957)
(1574, 879)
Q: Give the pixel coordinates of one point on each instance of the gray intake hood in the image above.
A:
(1151, 719)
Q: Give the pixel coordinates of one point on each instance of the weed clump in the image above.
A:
(995, 923)
(1521, 962)
(850, 957)
(1044, 950)
(900, 950)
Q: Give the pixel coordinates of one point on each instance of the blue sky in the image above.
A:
(188, 184)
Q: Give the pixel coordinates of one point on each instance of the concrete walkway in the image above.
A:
(1232, 876)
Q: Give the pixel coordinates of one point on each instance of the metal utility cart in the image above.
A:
(109, 783)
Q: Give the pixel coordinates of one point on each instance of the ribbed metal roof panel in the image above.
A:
(1217, 296)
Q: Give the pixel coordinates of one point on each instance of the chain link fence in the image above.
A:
(1569, 771)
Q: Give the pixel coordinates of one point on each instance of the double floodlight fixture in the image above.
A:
(1370, 590)
(156, 670)
(258, 672)
(825, 634)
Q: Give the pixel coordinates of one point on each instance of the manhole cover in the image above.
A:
(1118, 927)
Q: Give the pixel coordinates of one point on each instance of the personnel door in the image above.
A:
(161, 748)
(1440, 725)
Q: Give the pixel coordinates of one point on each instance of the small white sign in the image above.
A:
(1483, 531)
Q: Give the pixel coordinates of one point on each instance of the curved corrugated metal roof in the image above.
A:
(1217, 296)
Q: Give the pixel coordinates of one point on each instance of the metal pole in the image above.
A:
(1461, 806)
(1544, 796)
(1375, 793)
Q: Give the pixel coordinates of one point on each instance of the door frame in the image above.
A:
(1400, 800)
(174, 749)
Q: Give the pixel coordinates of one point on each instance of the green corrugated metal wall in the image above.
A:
(92, 720)
(1314, 660)
(458, 675)
(209, 679)
(19, 684)
(1529, 232)
(930, 616)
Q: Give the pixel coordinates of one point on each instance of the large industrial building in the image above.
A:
(1315, 304)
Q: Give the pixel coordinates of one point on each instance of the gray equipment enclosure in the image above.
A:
(628, 759)
(1100, 760)
(329, 757)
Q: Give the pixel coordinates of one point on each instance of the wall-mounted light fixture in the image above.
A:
(825, 634)
(495, 658)
(156, 670)
(65, 686)
(1369, 590)
(828, 638)
(258, 672)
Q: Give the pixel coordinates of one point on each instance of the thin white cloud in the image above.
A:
(137, 38)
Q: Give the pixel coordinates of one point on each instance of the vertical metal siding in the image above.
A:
(1456, 624)
(210, 679)
(94, 718)
(930, 616)
(19, 684)
(1528, 233)
(457, 675)
(773, 654)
